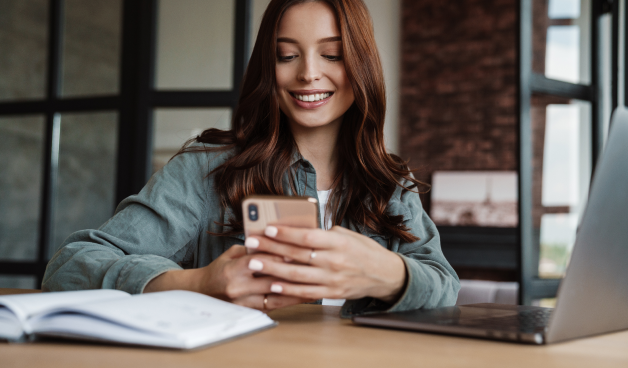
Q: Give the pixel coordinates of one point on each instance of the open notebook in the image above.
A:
(173, 319)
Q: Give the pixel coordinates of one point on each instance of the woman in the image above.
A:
(309, 122)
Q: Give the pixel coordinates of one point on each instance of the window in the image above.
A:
(58, 115)
(81, 82)
(563, 90)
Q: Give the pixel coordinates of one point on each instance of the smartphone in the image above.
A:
(260, 211)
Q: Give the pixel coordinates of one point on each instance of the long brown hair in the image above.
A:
(263, 145)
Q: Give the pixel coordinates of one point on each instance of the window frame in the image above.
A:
(531, 286)
(134, 103)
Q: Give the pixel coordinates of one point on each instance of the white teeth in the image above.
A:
(312, 98)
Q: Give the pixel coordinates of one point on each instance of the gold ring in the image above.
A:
(312, 255)
(265, 301)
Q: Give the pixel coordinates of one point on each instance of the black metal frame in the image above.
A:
(494, 248)
(613, 7)
(140, 96)
(625, 56)
(134, 103)
(531, 286)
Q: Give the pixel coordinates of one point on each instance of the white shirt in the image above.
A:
(323, 198)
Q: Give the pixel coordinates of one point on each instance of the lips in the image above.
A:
(311, 99)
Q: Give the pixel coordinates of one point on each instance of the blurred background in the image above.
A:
(503, 106)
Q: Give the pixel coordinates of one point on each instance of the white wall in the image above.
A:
(259, 6)
(387, 24)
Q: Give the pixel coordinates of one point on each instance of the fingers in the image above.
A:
(307, 238)
(255, 286)
(289, 252)
(306, 291)
(290, 272)
(246, 265)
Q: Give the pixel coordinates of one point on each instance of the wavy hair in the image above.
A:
(263, 145)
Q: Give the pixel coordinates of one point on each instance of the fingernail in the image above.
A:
(256, 265)
(276, 288)
(251, 243)
(287, 259)
(271, 231)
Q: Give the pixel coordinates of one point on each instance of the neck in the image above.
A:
(318, 146)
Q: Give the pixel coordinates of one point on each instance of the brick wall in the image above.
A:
(459, 85)
(459, 91)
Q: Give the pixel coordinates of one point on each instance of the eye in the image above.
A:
(286, 58)
(333, 57)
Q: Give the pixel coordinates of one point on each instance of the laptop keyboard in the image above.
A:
(527, 321)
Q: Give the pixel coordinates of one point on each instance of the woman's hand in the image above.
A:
(229, 278)
(338, 264)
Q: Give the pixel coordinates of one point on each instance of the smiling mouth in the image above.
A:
(314, 97)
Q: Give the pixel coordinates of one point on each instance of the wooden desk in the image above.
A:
(314, 336)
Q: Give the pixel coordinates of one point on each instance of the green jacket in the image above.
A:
(164, 227)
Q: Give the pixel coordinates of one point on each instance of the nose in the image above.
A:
(309, 70)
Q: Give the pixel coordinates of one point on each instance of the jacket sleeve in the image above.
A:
(431, 282)
(150, 233)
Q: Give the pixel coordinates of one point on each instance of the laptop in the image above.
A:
(593, 296)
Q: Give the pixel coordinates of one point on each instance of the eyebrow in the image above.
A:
(322, 40)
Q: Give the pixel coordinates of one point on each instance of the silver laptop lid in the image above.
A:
(593, 297)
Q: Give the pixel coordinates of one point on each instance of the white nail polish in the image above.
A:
(271, 231)
(251, 243)
(256, 265)
(276, 289)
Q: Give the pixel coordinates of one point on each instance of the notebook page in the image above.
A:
(174, 313)
(83, 327)
(25, 306)
(10, 327)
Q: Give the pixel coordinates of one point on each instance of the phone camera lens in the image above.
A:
(253, 214)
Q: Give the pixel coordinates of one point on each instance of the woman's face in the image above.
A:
(312, 84)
